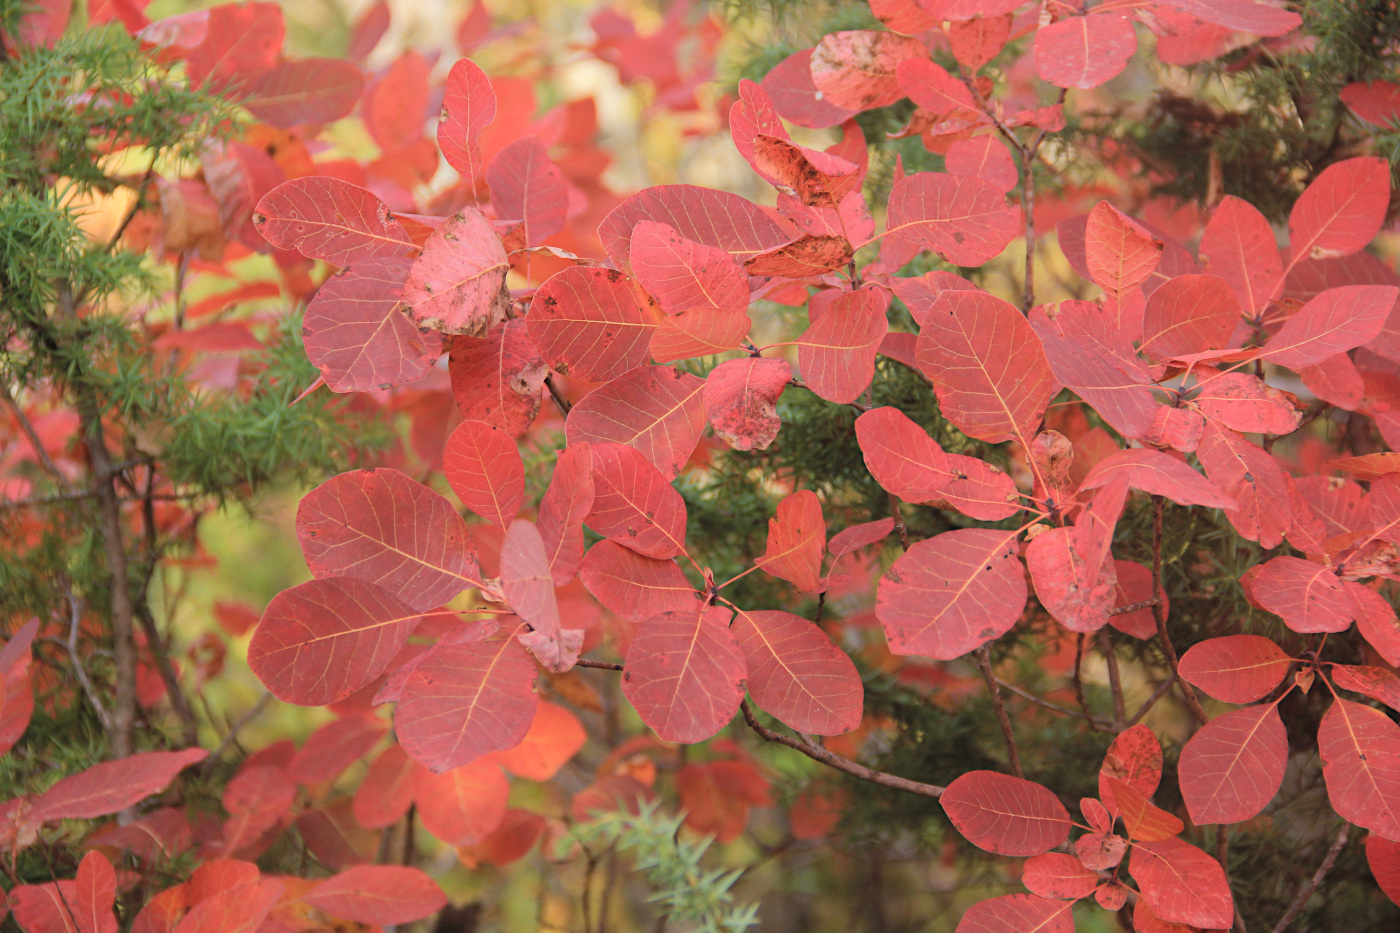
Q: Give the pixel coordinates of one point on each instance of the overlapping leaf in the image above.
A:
(656, 410)
(964, 219)
(591, 323)
(684, 674)
(326, 218)
(1235, 668)
(484, 469)
(458, 284)
(741, 398)
(634, 504)
(836, 354)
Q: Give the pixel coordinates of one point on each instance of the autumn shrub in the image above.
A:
(996, 481)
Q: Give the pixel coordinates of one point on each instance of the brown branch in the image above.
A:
(1151, 701)
(161, 654)
(1115, 683)
(899, 527)
(80, 671)
(35, 442)
(984, 661)
(1315, 881)
(228, 740)
(1159, 612)
(598, 665)
(1077, 678)
(799, 384)
(1134, 607)
(1098, 724)
(554, 392)
(840, 763)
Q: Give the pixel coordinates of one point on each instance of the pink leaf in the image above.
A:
(499, 378)
(484, 469)
(1004, 814)
(256, 800)
(741, 398)
(1374, 682)
(1375, 102)
(1309, 597)
(111, 786)
(685, 673)
(349, 526)
(796, 542)
(656, 410)
(796, 674)
(468, 107)
(986, 364)
(1159, 474)
(458, 284)
(682, 274)
(952, 593)
(1342, 210)
(1383, 856)
(326, 218)
(714, 218)
(322, 640)
(795, 96)
(387, 790)
(97, 893)
(1189, 314)
(1018, 913)
(527, 186)
(380, 895)
(634, 504)
(239, 909)
(983, 157)
(1239, 16)
(1239, 246)
(528, 585)
(1236, 668)
(902, 458)
(591, 323)
(855, 70)
(1360, 748)
(1055, 874)
(1245, 403)
(305, 90)
(1337, 320)
(1181, 884)
(965, 219)
(1253, 478)
(566, 503)
(698, 332)
(1084, 51)
(464, 805)
(837, 353)
(463, 701)
(1135, 758)
(1234, 765)
(1120, 252)
(633, 586)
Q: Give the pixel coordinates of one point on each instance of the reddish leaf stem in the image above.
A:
(1159, 612)
(1315, 881)
(984, 661)
(840, 763)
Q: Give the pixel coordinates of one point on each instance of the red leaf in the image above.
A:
(1234, 765)
(97, 893)
(1375, 682)
(634, 504)
(369, 28)
(16, 694)
(509, 842)
(855, 69)
(1135, 758)
(591, 323)
(1159, 474)
(111, 786)
(964, 219)
(499, 378)
(717, 795)
(904, 16)
(1181, 884)
(1245, 403)
(528, 584)
(1236, 668)
(463, 701)
(468, 107)
(320, 641)
(1376, 621)
(684, 674)
(1055, 874)
(1089, 353)
(796, 542)
(1111, 896)
(1099, 851)
(902, 458)
(241, 38)
(1075, 589)
(1342, 210)
(484, 469)
(1335, 380)
(815, 178)
(978, 40)
(984, 157)
(1188, 314)
(1360, 748)
(240, 909)
(1004, 814)
(741, 398)
(555, 736)
(1337, 320)
(1084, 51)
(1120, 252)
(306, 90)
(1239, 16)
(527, 186)
(462, 806)
(1375, 102)
(387, 790)
(1308, 596)
(752, 115)
(682, 274)
(566, 503)
(698, 332)
(856, 537)
(350, 526)
(326, 218)
(656, 410)
(1253, 478)
(396, 102)
(952, 593)
(458, 284)
(1239, 246)
(378, 894)
(1135, 586)
(986, 364)
(632, 586)
(354, 333)
(334, 747)
(714, 218)
(256, 800)
(1383, 855)
(1018, 913)
(978, 490)
(797, 675)
(795, 96)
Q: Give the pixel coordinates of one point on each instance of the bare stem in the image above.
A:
(840, 763)
(1115, 683)
(899, 527)
(35, 442)
(1159, 612)
(1098, 724)
(1151, 701)
(263, 702)
(558, 396)
(984, 661)
(75, 656)
(1315, 881)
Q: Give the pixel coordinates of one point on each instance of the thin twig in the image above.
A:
(90, 691)
(178, 701)
(1134, 607)
(984, 661)
(1077, 678)
(598, 665)
(1316, 880)
(558, 396)
(35, 442)
(840, 763)
(899, 526)
(1098, 724)
(799, 384)
(228, 740)
(1159, 612)
(1151, 701)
